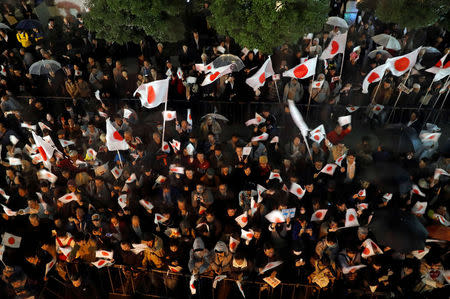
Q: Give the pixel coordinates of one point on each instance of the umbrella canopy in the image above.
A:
(398, 138)
(399, 230)
(215, 116)
(338, 22)
(384, 54)
(28, 24)
(4, 26)
(388, 177)
(44, 67)
(387, 41)
(430, 57)
(227, 59)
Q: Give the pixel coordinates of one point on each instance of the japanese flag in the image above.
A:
(352, 109)
(165, 147)
(8, 211)
(91, 154)
(65, 143)
(101, 263)
(127, 113)
(247, 235)
(68, 198)
(146, 204)
(275, 216)
(427, 137)
(192, 285)
(122, 201)
(297, 118)
(387, 196)
(297, 190)
(419, 254)
(317, 84)
(442, 219)
(440, 65)
(401, 64)
(260, 189)
(176, 169)
(49, 266)
(255, 121)
(253, 206)
(239, 285)
(260, 77)
(3, 193)
(336, 46)
(11, 240)
(159, 218)
(180, 73)
(103, 254)
(415, 190)
(169, 115)
(275, 139)
(154, 93)
(242, 220)
(329, 169)
(216, 74)
(116, 172)
(47, 175)
(317, 137)
(319, 215)
(189, 117)
(262, 137)
(131, 178)
(36, 158)
(320, 129)
(370, 248)
(114, 141)
(377, 109)
(345, 120)
(160, 179)
(303, 70)
(362, 206)
(362, 193)
(44, 126)
(340, 159)
(44, 148)
(351, 218)
(438, 172)
(275, 175)
(419, 207)
(442, 74)
(176, 145)
(373, 76)
(233, 244)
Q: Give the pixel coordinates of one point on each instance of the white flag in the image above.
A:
(303, 70)
(336, 46)
(114, 141)
(260, 77)
(154, 93)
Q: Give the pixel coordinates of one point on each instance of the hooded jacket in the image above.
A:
(198, 257)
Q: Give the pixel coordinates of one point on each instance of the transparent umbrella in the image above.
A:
(44, 67)
(338, 22)
(4, 26)
(384, 54)
(387, 41)
(227, 59)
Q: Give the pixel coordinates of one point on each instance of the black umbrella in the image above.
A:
(430, 57)
(29, 24)
(398, 138)
(388, 177)
(399, 230)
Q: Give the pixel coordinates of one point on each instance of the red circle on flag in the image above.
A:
(69, 197)
(447, 65)
(262, 78)
(420, 251)
(316, 137)
(169, 115)
(300, 71)
(372, 78)
(319, 215)
(101, 262)
(340, 159)
(165, 146)
(334, 47)
(258, 119)
(208, 67)
(278, 220)
(415, 191)
(244, 219)
(104, 253)
(402, 64)
(11, 241)
(299, 191)
(49, 175)
(214, 76)
(366, 251)
(150, 94)
(329, 168)
(378, 108)
(42, 152)
(117, 136)
(116, 171)
(190, 117)
(249, 236)
(318, 84)
(351, 217)
(431, 137)
(420, 207)
(233, 245)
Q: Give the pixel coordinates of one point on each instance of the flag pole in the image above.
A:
(276, 87)
(376, 90)
(398, 97)
(120, 158)
(425, 96)
(164, 126)
(342, 63)
(307, 146)
(434, 104)
(310, 94)
(442, 106)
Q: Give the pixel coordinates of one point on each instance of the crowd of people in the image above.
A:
(204, 207)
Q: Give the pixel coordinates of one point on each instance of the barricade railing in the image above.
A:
(123, 281)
